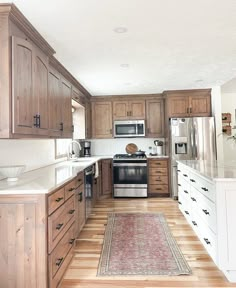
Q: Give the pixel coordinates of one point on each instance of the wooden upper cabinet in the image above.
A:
(188, 103)
(133, 109)
(200, 105)
(66, 123)
(60, 116)
(88, 122)
(102, 119)
(22, 86)
(155, 118)
(55, 103)
(29, 89)
(40, 91)
(178, 106)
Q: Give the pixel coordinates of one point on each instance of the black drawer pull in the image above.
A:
(58, 227)
(194, 223)
(71, 189)
(204, 189)
(179, 184)
(185, 175)
(205, 211)
(59, 261)
(180, 203)
(186, 212)
(207, 241)
(59, 199)
(80, 196)
(178, 170)
(194, 200)
(72, 241)
(192, 180)
(185, 191)
(72, 211)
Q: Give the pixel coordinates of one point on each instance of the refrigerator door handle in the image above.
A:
(191, 135)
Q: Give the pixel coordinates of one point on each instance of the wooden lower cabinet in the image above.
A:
(23, 241)
(37, 234)
(79, 204)
(158, 179)
(104, 180)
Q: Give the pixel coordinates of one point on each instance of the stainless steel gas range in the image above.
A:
(129, 175)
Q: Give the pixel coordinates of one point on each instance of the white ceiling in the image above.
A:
(169, 44)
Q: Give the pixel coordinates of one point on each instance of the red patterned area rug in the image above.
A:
(140, 244)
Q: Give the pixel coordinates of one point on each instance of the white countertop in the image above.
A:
(157, 156)
(47, 179)
(217, 171)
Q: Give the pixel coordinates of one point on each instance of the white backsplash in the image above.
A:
(32, 153)
(101, 147)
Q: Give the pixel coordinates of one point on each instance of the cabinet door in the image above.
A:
(54, 86)
(178, 106)
(80, 209)
(155, 118)
(137, 109)
(102, 119)
(66, 109)
(40, 88)
(22, 86)
(200, 105)
(88, 128)
(106, 185)
(120, 110)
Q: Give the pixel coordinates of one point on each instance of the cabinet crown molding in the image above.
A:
(21, 21)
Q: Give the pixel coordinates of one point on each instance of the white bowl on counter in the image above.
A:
(12, 172)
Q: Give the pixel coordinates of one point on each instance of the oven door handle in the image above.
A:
(129, 164)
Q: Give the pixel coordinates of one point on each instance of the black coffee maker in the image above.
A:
(87, 148)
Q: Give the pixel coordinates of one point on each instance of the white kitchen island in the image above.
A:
(207, 199)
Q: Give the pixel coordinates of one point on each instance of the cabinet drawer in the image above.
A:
(158, 189)
(70, 189)
(59, 222)
(153, 180)
(55, 200)
(58, 257)
(208, 238)
(153, 163)
(80, 179)
(202, 185)
(205, 208)
(158, 171)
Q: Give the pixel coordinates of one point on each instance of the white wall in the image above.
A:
(216, 112)
(229, 106)
(114, 146)
(32, 153)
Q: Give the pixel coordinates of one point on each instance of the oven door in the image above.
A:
(130, 179)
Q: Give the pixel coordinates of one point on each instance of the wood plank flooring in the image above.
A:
(83, 268)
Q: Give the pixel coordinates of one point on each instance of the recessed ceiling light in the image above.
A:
(120, 29)
(124, 65)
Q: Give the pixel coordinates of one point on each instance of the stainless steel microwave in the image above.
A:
(129, 128)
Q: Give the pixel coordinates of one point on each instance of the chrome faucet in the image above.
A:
(69, 155)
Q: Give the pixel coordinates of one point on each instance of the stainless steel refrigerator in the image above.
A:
(190, 139)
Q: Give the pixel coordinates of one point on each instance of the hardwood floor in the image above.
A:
(83, 268)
